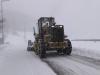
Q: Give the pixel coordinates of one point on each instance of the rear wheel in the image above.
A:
(59, 51)
(65, 51)
(68, 50)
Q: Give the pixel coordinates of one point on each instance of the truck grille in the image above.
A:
(57, 45)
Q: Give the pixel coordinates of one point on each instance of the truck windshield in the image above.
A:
(45, 23)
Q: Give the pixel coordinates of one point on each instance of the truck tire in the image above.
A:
(68, 50)
(59, 51)
(42, 51)
(65, 51)
(42, 54)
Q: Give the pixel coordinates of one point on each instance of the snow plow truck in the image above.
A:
(49, 37)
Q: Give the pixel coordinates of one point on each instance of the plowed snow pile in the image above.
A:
(87, 48)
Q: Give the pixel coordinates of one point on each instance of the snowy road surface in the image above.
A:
(15, 60)
(74, 65)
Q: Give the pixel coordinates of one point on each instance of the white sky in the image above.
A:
(81, 18)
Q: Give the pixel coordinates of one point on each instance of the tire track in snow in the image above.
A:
(85, 60)
(59, 70)
(72, 65)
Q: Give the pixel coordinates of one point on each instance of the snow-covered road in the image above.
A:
(16, 60)
(74, 65)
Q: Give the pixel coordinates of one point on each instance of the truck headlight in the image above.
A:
(52, 26)
(61, 26)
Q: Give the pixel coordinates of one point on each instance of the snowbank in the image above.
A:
(87, 48)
